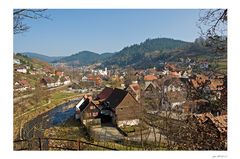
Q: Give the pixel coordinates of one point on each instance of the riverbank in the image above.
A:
(30, 111)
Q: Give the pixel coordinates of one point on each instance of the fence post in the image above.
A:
(79, 144)
(40, 145)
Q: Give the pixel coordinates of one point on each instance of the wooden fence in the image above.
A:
(57, 144)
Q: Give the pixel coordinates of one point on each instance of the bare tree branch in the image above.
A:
(19, 15)
(213, 27)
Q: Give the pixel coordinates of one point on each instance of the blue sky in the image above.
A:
(103, 30)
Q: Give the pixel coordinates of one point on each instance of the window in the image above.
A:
(94, 114)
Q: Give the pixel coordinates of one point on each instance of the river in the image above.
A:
(61, 113)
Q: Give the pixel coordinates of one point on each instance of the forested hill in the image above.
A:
(149, 53)
(147, 50)
(42, 57)
(84, 58)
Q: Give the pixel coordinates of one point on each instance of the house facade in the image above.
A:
(116, 107)
(135, 90)
(49, 82)
(21, 70)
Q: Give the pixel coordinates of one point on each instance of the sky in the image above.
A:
(104, 30)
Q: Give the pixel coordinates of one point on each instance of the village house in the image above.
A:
(32, 72)
(175, 84)
(204, 65)
(104, 94)
(199, 80)
(211, 86)
(87, 111)
(92, 80)
(50, 82)
(118, 108)
(213, 127)
(186, 73)
(197, 106)
(174, 101)
(170, 67)
(21, 70)
(127, 109)
(134, 89)
(65, 80)
(216, 87)
(148, 79)
(175, 74)
(84, 79)
(152, 88)
(152, 96)
(47, 70)
(22, 85)
(59, 73)
(103, 73)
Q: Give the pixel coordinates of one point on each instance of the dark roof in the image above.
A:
(84, 104)
(48, 79)
(106, 92)
(116, 97)
(173, 81)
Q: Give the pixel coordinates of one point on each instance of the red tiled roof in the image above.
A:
(149, 78)
(24, 82)
(220, 122)
(194, 83)
(200, 78)
(216, 84)
(174, 73)
(135, 87)
(59, 73)
(48, 79)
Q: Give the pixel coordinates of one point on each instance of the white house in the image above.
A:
(49, 82)
(104, 73)
(65, 80)
(21, 70)
(84, 79)
(171, 88)
(21, 85)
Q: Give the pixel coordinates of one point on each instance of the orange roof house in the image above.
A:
(59, 73)
(134, 89)
(149, 78)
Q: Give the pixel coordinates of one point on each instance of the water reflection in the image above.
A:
(54, 117)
